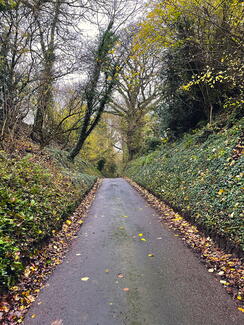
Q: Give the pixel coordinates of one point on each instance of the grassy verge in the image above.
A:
(202, 175)
(36, 195)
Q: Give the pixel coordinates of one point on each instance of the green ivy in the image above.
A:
(34, 201)
(201, 177)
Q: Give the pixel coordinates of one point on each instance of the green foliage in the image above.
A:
(202, 68)
(199, 175)
(7, 5)
(34, 201)
(151, 144)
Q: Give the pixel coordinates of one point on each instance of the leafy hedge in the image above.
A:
(34, 201)
(203, 176)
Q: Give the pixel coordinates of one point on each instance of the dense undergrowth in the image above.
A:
(202, 175)
(37, 193)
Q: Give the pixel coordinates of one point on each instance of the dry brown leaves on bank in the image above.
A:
(228, 269)
(15, 303)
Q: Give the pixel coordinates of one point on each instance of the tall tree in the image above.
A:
(100, 85)
(136, 95)
(16, 38)
(204, 45)
(55, 21)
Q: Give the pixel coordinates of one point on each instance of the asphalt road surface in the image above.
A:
(125, 285)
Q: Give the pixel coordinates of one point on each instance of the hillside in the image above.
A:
(38, 191)
(200, 175)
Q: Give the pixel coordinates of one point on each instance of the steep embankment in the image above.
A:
(202, 175)
(37, 193)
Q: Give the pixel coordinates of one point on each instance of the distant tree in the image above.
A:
(136, 95)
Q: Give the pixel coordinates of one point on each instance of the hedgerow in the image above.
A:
(202, 176)
(34, 202)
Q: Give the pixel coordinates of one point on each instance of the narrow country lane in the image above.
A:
(125, 285)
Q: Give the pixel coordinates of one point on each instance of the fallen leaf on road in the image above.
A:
(57, 322)
(86, 278)
(124, 216)
(33, 316)
(241, 309)
(140, 235)
(31, 298)
(77, 254)
(126, 289)
(224, 282)
(120, 276)
(215, 259)
(150, 255)
(143, 239)
(106, 270)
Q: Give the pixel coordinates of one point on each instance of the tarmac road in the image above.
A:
(125, 285)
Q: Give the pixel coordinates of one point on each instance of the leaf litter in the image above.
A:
(15, 303)
(227, 268)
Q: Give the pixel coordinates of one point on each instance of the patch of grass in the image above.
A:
(200, 175)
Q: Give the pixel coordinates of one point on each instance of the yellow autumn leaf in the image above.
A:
(140, 235)
(177, 219)
(221, 191)
(241, 309)
(150, 255)
(143, 239)
(31, 298)
(86, 278)
(68, 222)
(80, 222)
(4, 308)
(33, 316)
(224, 282)
(27, 273)
(15, 288)
(239, 297)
